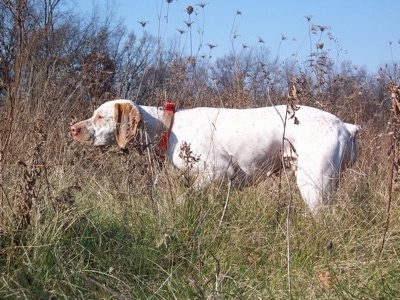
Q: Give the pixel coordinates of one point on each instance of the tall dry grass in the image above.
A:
(78, 222)
(90, 223)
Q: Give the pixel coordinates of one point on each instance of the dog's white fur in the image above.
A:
(241, 143)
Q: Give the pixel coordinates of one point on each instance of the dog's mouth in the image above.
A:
(83, 136)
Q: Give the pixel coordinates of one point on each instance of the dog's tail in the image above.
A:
(352, 129)
(353, 148)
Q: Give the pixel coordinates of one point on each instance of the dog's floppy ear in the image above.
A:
(127, 118)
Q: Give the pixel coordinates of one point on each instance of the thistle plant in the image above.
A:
(189, 23)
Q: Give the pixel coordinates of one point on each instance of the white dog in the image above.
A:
(241, 143)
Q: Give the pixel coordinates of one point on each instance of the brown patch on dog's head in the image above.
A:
(127, 118)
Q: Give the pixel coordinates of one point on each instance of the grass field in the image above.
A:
(89, 223)
(83, 223)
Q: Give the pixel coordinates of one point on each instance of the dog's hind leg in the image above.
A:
(316, 178)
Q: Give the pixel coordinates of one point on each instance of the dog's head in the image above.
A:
(114, 122)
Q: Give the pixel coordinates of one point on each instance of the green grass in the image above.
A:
(121, 239)
(81, 223)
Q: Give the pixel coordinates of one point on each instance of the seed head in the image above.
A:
(143, 23)
(322, 27)
(314, 28)
(189, 23)
(189, 9)
(308, 17)
(235, 35)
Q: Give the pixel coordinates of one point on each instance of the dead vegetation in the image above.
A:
(100, 223)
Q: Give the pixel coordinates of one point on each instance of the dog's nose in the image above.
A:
(75, 130)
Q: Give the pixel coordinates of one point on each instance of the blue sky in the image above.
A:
(362, 29)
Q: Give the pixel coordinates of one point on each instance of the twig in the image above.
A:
(146, 136)
(226, 204)
(227, 196)
(393, 151)
(291, 108)
(289, 206)
(390, 188)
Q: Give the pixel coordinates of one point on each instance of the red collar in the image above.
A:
(169, 111)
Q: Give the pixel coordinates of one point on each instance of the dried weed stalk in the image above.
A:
(292, 102)
(34, 170)
(2, 192)
(394, 134)
(190, 159)
(393, 151)
(187, 155)
(292, 105)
